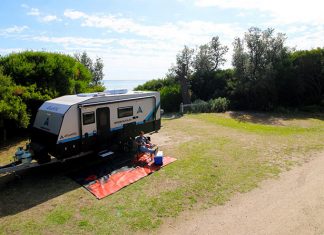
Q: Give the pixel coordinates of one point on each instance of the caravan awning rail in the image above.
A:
(115, 101)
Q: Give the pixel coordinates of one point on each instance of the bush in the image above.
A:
(170, 98)
(214, 105)
(199, 106)
(219, 105)
(12, 106)
(54, 74)
(156, 84)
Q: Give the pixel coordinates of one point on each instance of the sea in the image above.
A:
(122, 84)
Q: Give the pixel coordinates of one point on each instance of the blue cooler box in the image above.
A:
(158, 159)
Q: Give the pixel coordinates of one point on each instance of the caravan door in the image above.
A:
(103, 126)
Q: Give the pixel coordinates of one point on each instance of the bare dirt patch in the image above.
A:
(292, 204)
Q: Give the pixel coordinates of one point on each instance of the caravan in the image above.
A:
(75, 125)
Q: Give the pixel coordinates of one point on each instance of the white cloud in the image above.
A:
(49, 18)
(40, 15)
(192, 32)
(146, 48)
(282, 12)
(72, 14)
(307, 38)
(13, 29)
(33, 12)
(76, 41)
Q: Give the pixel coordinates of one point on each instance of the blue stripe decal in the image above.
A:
(69, 139)
(148, 117)
(116, 128)
(75, 138)
(89, 134)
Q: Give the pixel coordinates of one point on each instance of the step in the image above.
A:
(105, 153)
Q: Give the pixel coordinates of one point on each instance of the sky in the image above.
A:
(139, 39)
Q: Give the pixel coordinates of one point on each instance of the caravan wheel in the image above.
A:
(45, 158)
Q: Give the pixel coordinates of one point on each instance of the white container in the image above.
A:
(159, 154)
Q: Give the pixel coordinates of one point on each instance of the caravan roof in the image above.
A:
(62, 104)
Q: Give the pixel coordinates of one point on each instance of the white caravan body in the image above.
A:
(70, 124)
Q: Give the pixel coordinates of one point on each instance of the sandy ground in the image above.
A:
(291, 204)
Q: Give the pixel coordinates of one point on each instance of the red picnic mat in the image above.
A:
(112, 183)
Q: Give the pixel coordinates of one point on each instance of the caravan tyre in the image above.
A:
(44, 159)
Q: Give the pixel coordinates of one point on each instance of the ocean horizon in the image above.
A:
(122, 84)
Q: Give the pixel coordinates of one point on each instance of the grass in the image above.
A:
(7, 152)
(257, 128)
(218, 156)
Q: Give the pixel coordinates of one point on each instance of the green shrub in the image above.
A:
(54, 72)
(219, 105)
(12, 106)
(170, 98)
(199, 106)
(156, 84)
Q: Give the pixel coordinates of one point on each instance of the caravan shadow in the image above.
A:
(269, 118)
(32, 187)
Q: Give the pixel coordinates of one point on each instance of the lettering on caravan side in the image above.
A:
(45, 124)
(139, 110)
(67, 135)
(52, 108)
(46, 121)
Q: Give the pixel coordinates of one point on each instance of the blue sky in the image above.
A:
(139, 39)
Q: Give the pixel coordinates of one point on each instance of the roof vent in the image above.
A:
(116, 92)
(91, 94)
(85, 94)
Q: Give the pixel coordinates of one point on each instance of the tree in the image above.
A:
(211, 85)
(85, 60)
(202, 62)
(308, 74)
(217, 53)
(256, 59)
(210, 56)
(95, 68)
(182, 71)
(97, 73)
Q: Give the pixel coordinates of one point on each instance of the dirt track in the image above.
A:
(292, 204)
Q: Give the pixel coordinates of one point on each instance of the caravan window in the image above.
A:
(88, 118)
(125, 111)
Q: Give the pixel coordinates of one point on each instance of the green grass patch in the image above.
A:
(213, 164)
(59, 216)
(254, 127)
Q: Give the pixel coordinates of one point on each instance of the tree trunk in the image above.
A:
(3, 132)
(184, 90)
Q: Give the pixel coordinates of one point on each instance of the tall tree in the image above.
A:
(210, 56)
(95, 68)
(84, 59)
(308, 73)
(98, 74)
(202, 60)
(182, 71)
(217, 53)
(256, 59)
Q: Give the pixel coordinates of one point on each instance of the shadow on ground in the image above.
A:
(171, 116)
(272, 118)
(37, 185)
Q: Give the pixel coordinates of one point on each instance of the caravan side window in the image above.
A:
(125, 111)
(88, 118)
